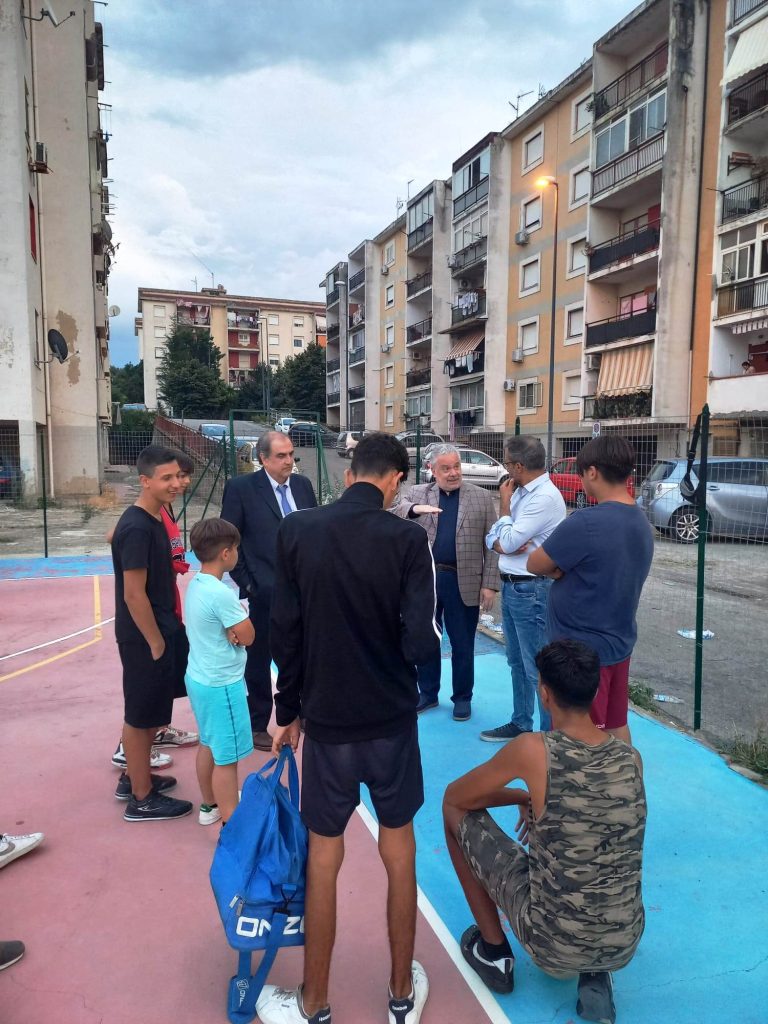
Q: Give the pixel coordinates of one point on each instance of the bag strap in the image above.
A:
(696, 495)
(244, 989)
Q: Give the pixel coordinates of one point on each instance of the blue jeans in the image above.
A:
(524, 614)
(460, 624)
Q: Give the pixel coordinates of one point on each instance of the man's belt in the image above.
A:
(445, 567)
(508, 577)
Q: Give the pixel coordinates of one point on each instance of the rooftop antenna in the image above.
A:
(542, 91)
(213, 282)
(520, 96)
(408, 188)
(194, 282)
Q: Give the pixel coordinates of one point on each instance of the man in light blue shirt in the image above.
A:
(529, 514)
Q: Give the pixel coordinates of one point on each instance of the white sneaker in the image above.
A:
(282, 1006)
(157, 760)
(408, 1010)
(12, 847)
(209, 814)
(173, 737)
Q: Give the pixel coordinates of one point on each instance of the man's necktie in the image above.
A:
(284, 503)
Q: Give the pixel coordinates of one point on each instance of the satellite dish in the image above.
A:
(58, 345)
(114, 311)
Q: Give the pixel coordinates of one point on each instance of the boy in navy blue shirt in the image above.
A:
(599, 558)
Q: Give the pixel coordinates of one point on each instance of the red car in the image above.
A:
(568, 482)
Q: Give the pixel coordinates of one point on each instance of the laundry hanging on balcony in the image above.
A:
(468, 302)
(625, 371)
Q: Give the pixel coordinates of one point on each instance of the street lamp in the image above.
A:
(542, 183)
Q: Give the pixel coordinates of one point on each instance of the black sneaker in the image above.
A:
(10, 953)
(502, 734)
(156, 807)
(425, 703)
(462, 711)
(498, 975)
(160, 784)
(595, 999)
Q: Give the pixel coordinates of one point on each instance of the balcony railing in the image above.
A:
(418, 378)
(748, 98)
(741, 200)
(357, 392)
(357, 355)
(474, 363)
(742, 297)
(357, 279)
(420, 234)
(332, 332)
(470, 197)
(332, 297)
(468, 311)
(419, 331)
(615, 328)
(623, 247)
(628, 165)
(470, 254)
(332, 365)
(357, 319)
(631, 82)
(333, 398)
(418, 284)
(742, 8)
(618, 407)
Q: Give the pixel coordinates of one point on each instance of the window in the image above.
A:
(159, 353)
(645, 119)
(32, 230)
(38, 357)
(574, 324)
(530, 276)
(389, 415)
(158, 312)
(389, 254)
(274, 363)
(390, 295)
(580, 182)
(571, 389)
(582, 115)
(529, 395)
(420, 212)
(298, 321)
(531, 218)
(298, 343)
(637, 302)
(389, 376)
(274, 319)
(533, 150)
(243, 337)
(470, 230)
(389, 335)
(274, 340)
(160, 332)
(419, 405)
(577, 258)
(471, 174)
(741, 258)
(528, 335)
(465, 397)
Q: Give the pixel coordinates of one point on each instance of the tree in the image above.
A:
(128, 383)
(188, 379)
(300, 382)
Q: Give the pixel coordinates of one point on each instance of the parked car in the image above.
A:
(10, 479)
(342, 448)
(476, 468)
(247, 459)
(215, 431)
(737, 498)
(304, 433)
(565, 478)
(285, 423)
(408, 437)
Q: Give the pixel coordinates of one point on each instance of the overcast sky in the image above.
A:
(268, 137)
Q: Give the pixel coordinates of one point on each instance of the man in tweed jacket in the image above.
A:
(456, 516)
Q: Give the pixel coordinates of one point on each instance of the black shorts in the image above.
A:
(149, 686)
(331, 774)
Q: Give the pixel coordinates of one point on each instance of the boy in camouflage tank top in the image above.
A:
(574, 899)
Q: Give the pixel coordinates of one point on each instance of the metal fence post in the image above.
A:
(701, 558)
(45, 495)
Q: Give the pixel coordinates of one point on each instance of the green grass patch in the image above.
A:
(642, 696)
(752, 754)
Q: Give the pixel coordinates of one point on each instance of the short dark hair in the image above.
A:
(379, 453)
(571, 670)
(152, 456)
(209, 537)
(612, 456)
(186, 465)
(529, 451)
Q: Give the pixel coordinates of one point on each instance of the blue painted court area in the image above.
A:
(62, 566)
(704, 956)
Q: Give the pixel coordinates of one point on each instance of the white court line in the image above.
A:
(58, 640)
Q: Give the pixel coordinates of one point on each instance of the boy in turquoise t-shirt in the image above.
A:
(219, 630)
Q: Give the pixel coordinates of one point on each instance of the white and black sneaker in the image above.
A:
(284, 1006)
(498, 975)
(156, 807)
(595, 999)
(409, 1009)
(160, 784)
(157, 759)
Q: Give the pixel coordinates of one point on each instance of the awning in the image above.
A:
(750, 325)
(467, 343)
(749, 53)
(625, 371)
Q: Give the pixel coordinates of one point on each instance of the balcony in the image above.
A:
(636, 80)
(354, 394)
(357, 279)
(332, 365)
(467, 312)
(333, 331)
(741, 200)
(332, 297)
(743, 297)
(629, 165)
(333, 398)
(616, 328)
(357, 355)
(469, 255)
(728, 395)
(420, 235)
(357, 319)
(418, 284)
(748, 99)
(418, 378)
(743, 8)
(624, 247)
(618, 407)
(462, 367)
(419, 332)
(470, 197)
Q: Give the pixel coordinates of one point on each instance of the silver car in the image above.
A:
(737, 498)
(476, 468)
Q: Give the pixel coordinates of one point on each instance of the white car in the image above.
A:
(284, 424)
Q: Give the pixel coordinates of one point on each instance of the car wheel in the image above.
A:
(581, 499)
(685, 525)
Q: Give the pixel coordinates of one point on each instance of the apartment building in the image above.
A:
(337, 324)
(55, 247)
(248, 330)
(386, 368)
(739, 309)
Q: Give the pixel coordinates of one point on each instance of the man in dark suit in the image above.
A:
(256, 504)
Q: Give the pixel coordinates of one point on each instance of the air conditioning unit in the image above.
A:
(40, 162)
(451, 262)
(509, 384)
(593, 361)
(386, 348)
(522, 238)
(464, 283)
(416, 357)
(384, 271)
(518, 355)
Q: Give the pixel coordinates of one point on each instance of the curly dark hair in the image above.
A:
(379, 453)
